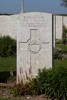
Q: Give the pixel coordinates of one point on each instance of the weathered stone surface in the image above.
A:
(8, 25)
(65, 20)
(58, 22)
(58, 27)
(34, 44)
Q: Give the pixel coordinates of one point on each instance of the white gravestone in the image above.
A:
(59, 26)
(65, 21)
(8, 25)
(54, 31)
(34, 44)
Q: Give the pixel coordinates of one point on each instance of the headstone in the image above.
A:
(65, 21)
(59, 25)
(34, 44)
(54, 31)
(8, 25)
(34, 41)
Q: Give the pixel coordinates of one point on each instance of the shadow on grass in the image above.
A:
(4, 76)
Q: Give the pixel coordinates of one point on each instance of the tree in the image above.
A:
(64, 3)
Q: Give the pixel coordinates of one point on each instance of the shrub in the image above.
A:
(5, 76)
(30, 88)
(64, 35)
(64, 40)
(58, 53)
(7, 46)
(53, 83)
(42, 80)
(63, 48)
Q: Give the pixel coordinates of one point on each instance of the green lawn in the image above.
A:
(7, 63)
(63, 47)
(64, 61)
(10, 62)
(58, 63)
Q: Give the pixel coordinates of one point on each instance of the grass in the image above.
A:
(62, 47)
(7, 63)
(10, 62)
(62, 63)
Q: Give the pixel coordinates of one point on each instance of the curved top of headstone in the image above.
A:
(26, 14)
(34, 13)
